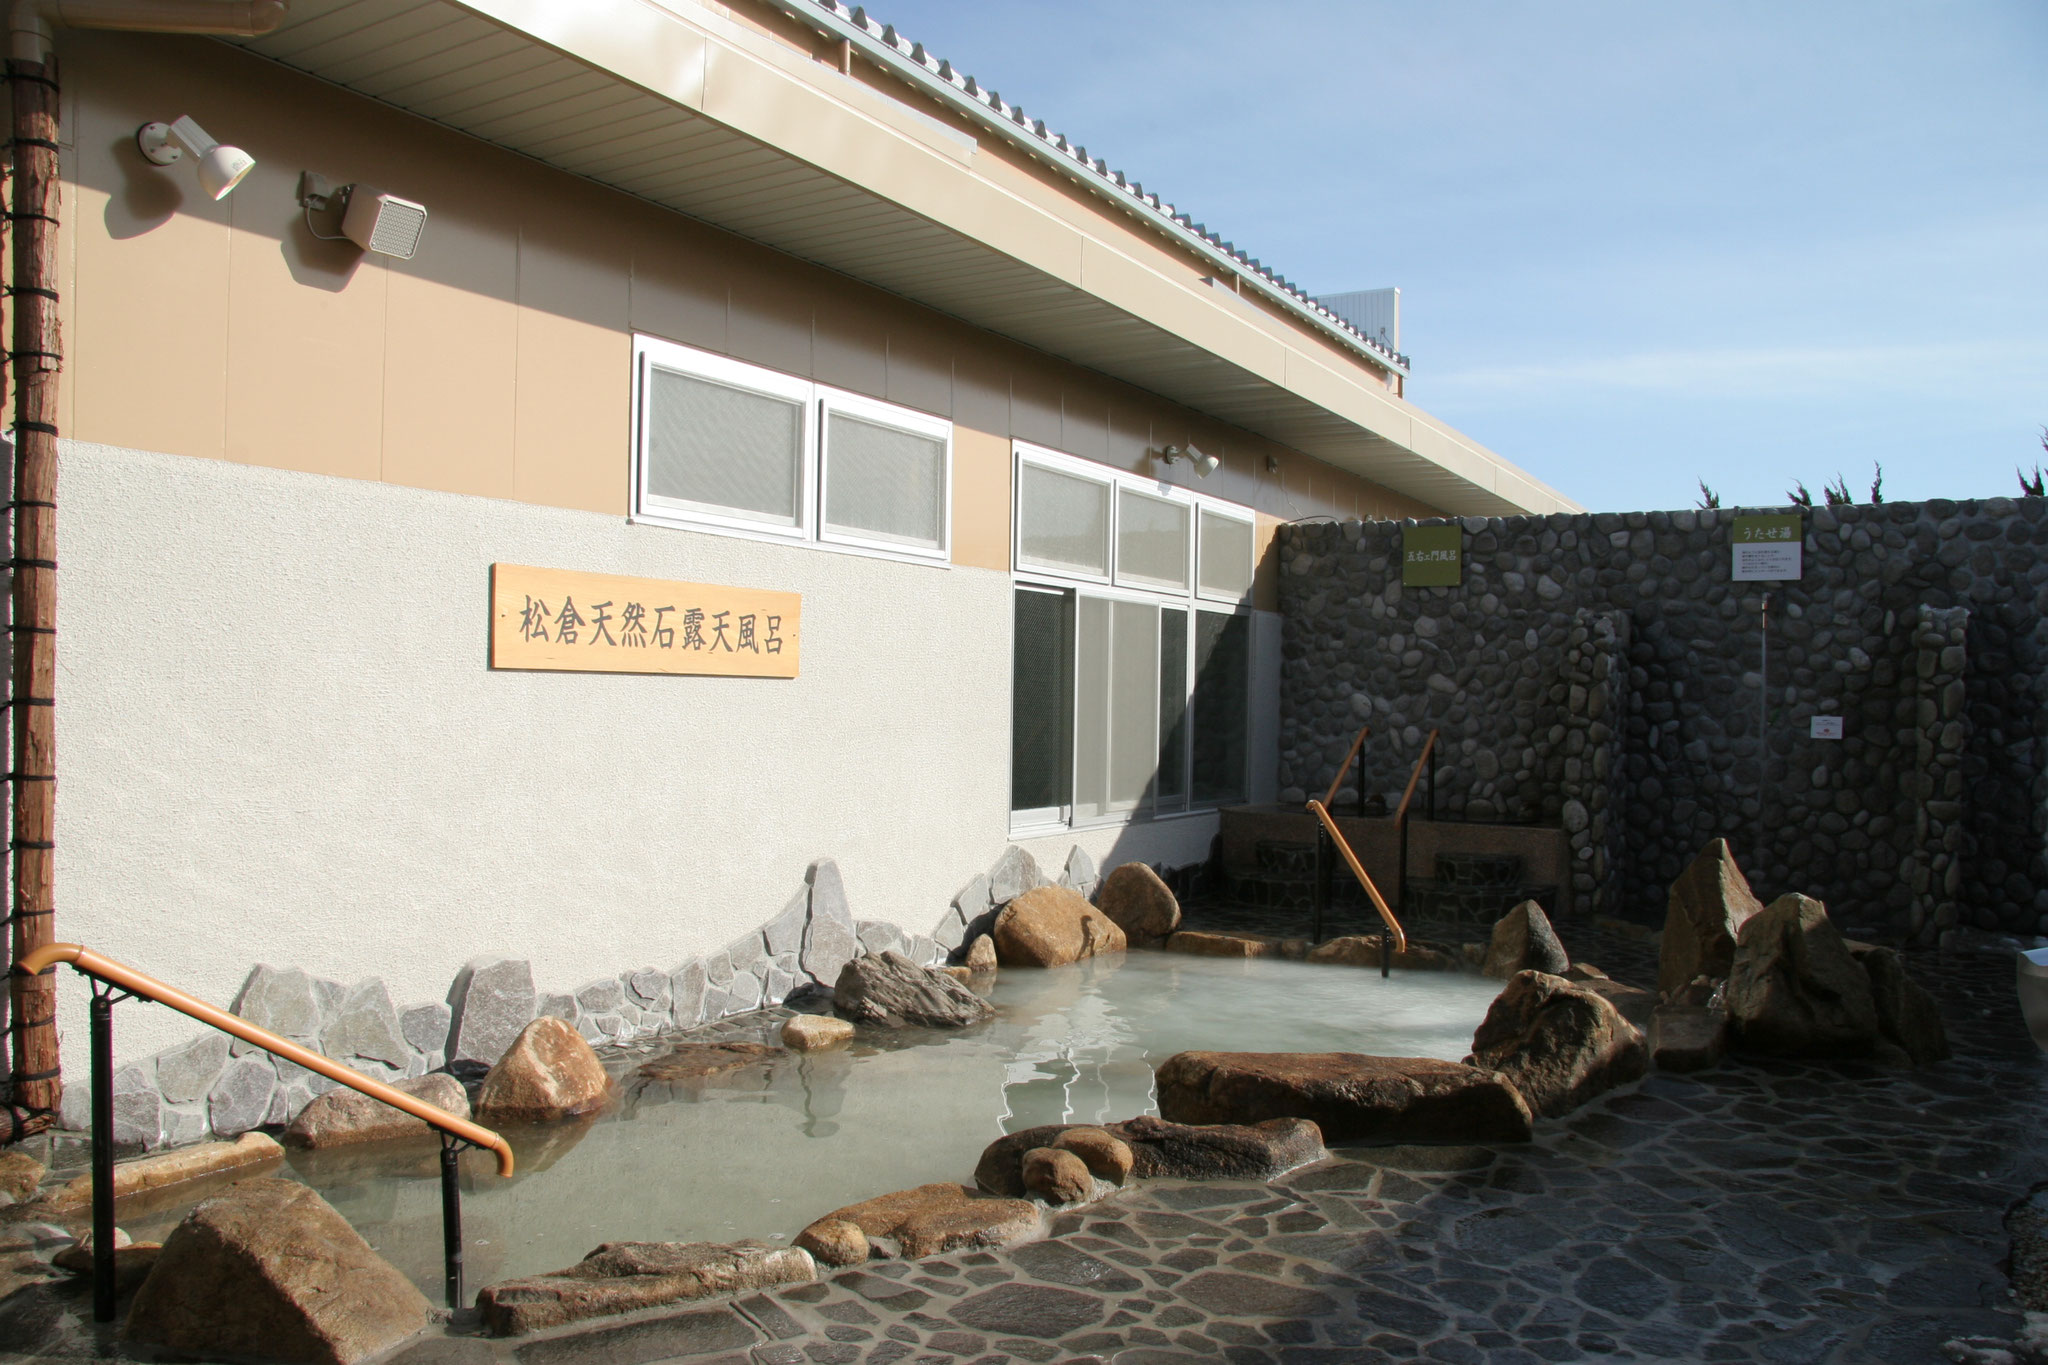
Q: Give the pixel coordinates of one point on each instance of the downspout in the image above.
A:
(36, 1075)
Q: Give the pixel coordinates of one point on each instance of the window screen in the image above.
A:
(1172, 785)
(724, 449)
(1133, 703)
(884, 483)
(1222, 691)
(1091, 706)
(1151, 540)
(1062, 522)
(1226, 568)
(1041, 699)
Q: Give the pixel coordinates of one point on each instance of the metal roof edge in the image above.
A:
(882, 44)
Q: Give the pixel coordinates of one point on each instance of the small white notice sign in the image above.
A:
(1767, 549)
(1825, 727)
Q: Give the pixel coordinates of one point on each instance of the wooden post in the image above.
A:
(37, 1075)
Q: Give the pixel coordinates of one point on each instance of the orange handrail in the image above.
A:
(1345, 766)
(149, 988)
(1416, 776)
(1322, 813)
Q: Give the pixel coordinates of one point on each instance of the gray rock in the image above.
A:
(365, 1027)
(426, 1027)
(281, 1000)
(747, 952)
(185, 1074)
(717, 1004)
(240, 1099)
(183, 1124)
(492, 1000)
(777, 986)
(891, 989)
(924, 951)
(744, 991)
(686, 994)
(785, 933)
(878, 936)
(973, 898)
(829, 942)
(1080, 871)
(1014, 873)
(138, 1108)
(950, 930)
(649, 987)
(718, 968)
(558, 1005)
(602, 996)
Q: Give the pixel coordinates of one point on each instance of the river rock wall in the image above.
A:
(1923, 625)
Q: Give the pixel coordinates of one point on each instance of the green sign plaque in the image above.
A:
(1432, 556)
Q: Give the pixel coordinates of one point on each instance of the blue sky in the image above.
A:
(1638, 244)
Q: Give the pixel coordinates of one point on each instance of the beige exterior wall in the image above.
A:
(498, 362)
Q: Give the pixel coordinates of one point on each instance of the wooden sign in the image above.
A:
(1432, 556)
(568, 622)
(1767, 549)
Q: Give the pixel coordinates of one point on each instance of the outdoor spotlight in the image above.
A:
(220, 168)
(1204, 463)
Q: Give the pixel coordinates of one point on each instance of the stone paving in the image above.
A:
(1760, 1212)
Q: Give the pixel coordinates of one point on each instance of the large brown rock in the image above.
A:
(1363, 950)
(812, 1032)
(1795, 989)
(165, 1181)
(343, 1116)
(1708, 906)
(1107, 1157)
(620, 1277)
(1524, 941)
(932, 1219)
(1687, 1038)
(1347, 1095)
(1635, 1003)
(701, 1061)
(1560, 1042)
(1906, 1012)
(269, 1270)
(20, 1174)
(1142, 905)
(1164, 1150)
(1057, 1176)
(1051, 927)
(548, 1073)
(888, 988)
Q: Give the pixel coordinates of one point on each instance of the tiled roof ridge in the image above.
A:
(1104, 178)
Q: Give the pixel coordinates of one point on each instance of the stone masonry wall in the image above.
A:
(1924, 625)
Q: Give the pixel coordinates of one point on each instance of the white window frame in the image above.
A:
(814, 463)
(901, 419)
(1187, 556)
(1114, 588)
(651, 354)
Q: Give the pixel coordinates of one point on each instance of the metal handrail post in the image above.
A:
(102, 1155)
(451, 1220)
(1324, 868)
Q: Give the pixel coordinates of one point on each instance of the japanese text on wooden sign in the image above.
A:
(1432, 556)
(1767, 549)
(563, 621)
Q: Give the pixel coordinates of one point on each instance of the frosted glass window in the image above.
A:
(1151, 540)
(1133, 703)
(1172, 784)
(724, 449)
(883, 483)
(1062, 522)
(1091, 706)
(1226, 568)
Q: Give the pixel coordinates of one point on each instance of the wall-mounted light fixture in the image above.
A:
(372, 219)
(219, 167)
(1204, 463)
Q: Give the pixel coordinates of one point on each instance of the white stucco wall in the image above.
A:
(280, 741)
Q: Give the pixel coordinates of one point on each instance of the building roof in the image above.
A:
(679, 103)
